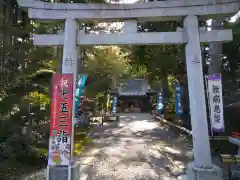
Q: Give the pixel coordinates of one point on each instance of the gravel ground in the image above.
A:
(136, 149)
(38, 175)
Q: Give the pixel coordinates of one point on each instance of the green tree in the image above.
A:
(25, 79)
(104, 66)
(230, 64)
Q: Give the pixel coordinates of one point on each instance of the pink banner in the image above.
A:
(61, 119)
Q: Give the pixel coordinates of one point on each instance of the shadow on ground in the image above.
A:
(136, 148)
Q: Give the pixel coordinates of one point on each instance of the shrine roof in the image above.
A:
(135, 87)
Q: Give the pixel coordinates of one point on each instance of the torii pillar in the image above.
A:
(202, 167)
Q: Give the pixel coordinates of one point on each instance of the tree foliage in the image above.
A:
(231, 64)
(104, 66)
(25, 81)
(26, 73)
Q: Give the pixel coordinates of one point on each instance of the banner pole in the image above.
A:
(47, 177)
(209, 109)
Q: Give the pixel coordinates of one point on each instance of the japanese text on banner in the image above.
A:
(61, 120)
(215, 102)
(114, 107)
(178, 97)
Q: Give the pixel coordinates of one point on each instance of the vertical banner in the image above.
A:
(79, 91)
(61, 120)
(215, 100)
(108, 102)
(114, 106)
(178, 98)
(160, 104)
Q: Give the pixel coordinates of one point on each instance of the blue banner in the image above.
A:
(160, 104)
(114, 106)
(178, 96)
(79, 90)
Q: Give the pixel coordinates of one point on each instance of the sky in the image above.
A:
(133, 1)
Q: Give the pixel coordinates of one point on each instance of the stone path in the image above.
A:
(136, 149)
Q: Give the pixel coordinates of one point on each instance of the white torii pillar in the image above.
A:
(69, 66)
(202, 167)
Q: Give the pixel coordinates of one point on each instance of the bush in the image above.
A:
(36, 157)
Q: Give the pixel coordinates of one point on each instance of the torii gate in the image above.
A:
(191, 35)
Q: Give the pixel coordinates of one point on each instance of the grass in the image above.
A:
(81, 139)
(79, 145)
